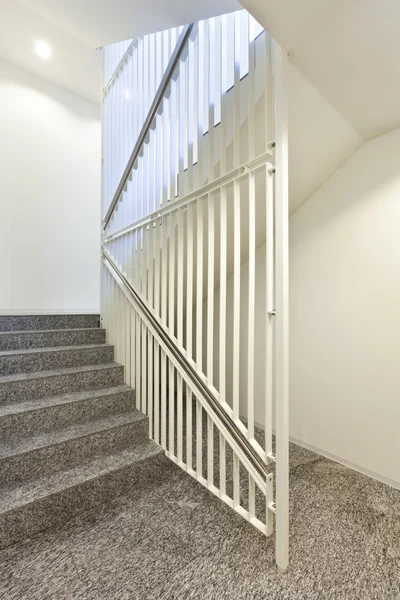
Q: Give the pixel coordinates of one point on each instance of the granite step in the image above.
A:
(29, 458)
(50, 338)
(56, 412)
(29, 386)
(42, 359)
(30, 322)
(54, 499)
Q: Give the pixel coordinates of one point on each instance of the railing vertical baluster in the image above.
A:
(171, 411)
(189, 281)
(171, 271)
(156, 250)
(189, 428)
(236, 300)
(120, 329)
(209, 94)
(251, 111)
(168, 142)
(251, 306)
(127, 329)
(188, 66)
(199, 440)
(179, 423)
(132, 334)
(180, 268)
(222, 295)
(222, 465)
(163, 400)
(217, 73)
(236, 481)
(143, 407)
(196, 120)
(268, 95)
(236, 94)
(156, 403)
(199, 286)
(210, 290)
(150, 264)
(150, 380)
(223, 66)
(202, 114)
(282, 309)
(210, 452)
(269, 309)
(138, 358)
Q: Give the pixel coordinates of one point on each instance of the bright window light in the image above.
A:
(43, 49)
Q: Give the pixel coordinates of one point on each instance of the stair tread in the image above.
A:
(54, 372)
(12, 448)
(53, 349)
(12, 498)
(41, 331)
(69, 398)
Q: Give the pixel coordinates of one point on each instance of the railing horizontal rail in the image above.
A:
(246, 451)
(208, 188)
(180, 46)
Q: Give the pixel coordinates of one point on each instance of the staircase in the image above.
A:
(70, 437)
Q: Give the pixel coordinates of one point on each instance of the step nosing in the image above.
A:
(57, 372)
(42, 331)
(53, 349)
(59, 437)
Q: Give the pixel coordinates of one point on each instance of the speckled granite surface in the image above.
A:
(30, 322)
(70, 437)
(38, 505)
(44, 414)
(174, 541)
(43, 359)
(29, 458)
(21, 340)
(21, 387)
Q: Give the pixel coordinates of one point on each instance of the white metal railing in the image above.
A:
(200, 214)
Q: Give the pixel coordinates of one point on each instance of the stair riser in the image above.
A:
(56, 417)
(41, 387)
(71, 453)
(59, 508)
(30, 322)
(59, 359)
(49, 339)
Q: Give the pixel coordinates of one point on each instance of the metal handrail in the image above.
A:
(242, 442)
(162, 88)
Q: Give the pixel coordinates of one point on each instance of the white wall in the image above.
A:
(50, 161)
(344, 316)
(320, 139)
(344, 313)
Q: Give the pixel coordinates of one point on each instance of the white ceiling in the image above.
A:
(348, 49)
(75, 28)
(101, 22)
(73, 65)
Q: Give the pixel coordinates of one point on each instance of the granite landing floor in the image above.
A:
(174, 540)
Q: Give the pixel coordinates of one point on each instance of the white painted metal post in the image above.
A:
(282, 310)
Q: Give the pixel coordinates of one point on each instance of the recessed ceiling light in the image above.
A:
(43, 49)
